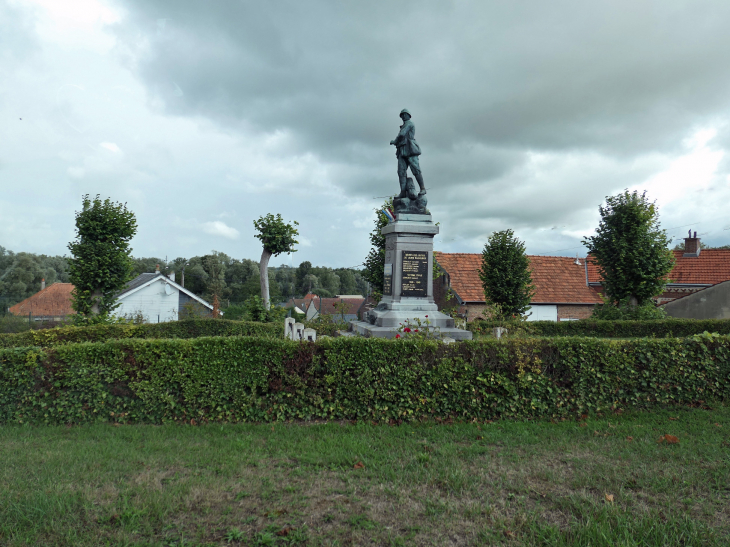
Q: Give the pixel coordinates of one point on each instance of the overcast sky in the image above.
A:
(203, 116)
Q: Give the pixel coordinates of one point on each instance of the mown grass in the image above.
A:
(503, 483)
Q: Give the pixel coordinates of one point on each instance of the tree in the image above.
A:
(348, 284)
(304, 269)
(505, 274)
(101, 263)
(215, 266)
(277, 237)
(630, 249)
(375, 261)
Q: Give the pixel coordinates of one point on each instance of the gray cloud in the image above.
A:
(625, 77)
(529, 113)
(488, 84)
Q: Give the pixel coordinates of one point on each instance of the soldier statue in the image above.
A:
(407, 152)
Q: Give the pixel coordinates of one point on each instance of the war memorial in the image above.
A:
(408, 276)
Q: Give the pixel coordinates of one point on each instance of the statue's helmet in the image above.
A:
(405, 111)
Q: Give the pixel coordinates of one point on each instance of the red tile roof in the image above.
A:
(557, 279)
(326, 306)
(710, 268)
(53, 301)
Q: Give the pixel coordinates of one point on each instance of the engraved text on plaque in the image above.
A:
(388, 280)
(414, 279)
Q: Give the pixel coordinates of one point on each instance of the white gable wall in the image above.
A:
(152, 301)
(542, 312)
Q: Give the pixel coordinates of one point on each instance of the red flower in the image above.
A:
(406, 329)
(427, 316)
(397, 335)
(415, 330)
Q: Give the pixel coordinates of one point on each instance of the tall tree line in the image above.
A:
(233, 280)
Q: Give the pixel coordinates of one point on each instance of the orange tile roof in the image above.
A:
(54, 300)
(557, 279)
(710, 268)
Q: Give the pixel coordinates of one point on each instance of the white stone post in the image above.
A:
(289, 328)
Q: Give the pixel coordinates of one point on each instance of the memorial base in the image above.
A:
(408, 288)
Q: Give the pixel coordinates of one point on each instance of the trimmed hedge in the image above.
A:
(663, 328)
(237, 379)
(189, 328)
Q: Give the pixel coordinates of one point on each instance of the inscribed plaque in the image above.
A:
(388, 280)
(414, 278)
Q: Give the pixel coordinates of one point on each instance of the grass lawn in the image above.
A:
(606, 482)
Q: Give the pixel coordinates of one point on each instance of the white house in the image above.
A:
(157, 298)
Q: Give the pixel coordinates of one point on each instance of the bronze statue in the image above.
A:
(407, 152)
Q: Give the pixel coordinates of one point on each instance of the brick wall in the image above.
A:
(574, 311)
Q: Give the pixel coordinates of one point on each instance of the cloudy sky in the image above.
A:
(203, 116)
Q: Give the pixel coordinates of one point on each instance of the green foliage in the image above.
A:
(276, 236)
(101, 263)
(624, 311)
(374, 266)
(238, 379)
(608, 329)
(21, 274)
(630, 249)
(326, 324)
(255, 310)
(189, 328)
(505, 274)
(11, 324)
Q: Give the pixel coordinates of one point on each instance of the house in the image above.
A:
(157, 298)
(343, 307)
(51, 303)
(153, 297)
(562, 292)
(708, 303)
(568, 288)
(694, 269)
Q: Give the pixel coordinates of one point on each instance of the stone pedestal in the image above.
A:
(408, 287)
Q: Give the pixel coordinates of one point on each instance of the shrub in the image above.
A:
(189, 328)
(266, 379)
(608, 329)
(626, 312)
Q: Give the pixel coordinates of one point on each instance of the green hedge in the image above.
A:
(266, 379)
(664, 328)
(189, 328)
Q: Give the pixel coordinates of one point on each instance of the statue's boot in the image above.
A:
(403, 188)
(419, 179)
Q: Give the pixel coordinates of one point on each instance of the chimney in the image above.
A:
(577, 260)
(157, 268)
(172, 276)
(691, 245)
(43, 283)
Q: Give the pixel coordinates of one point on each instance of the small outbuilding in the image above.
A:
(709, 303)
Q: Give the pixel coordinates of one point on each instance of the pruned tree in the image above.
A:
(630, 249)
(277, 237)
(101, 263)
(505, 274)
